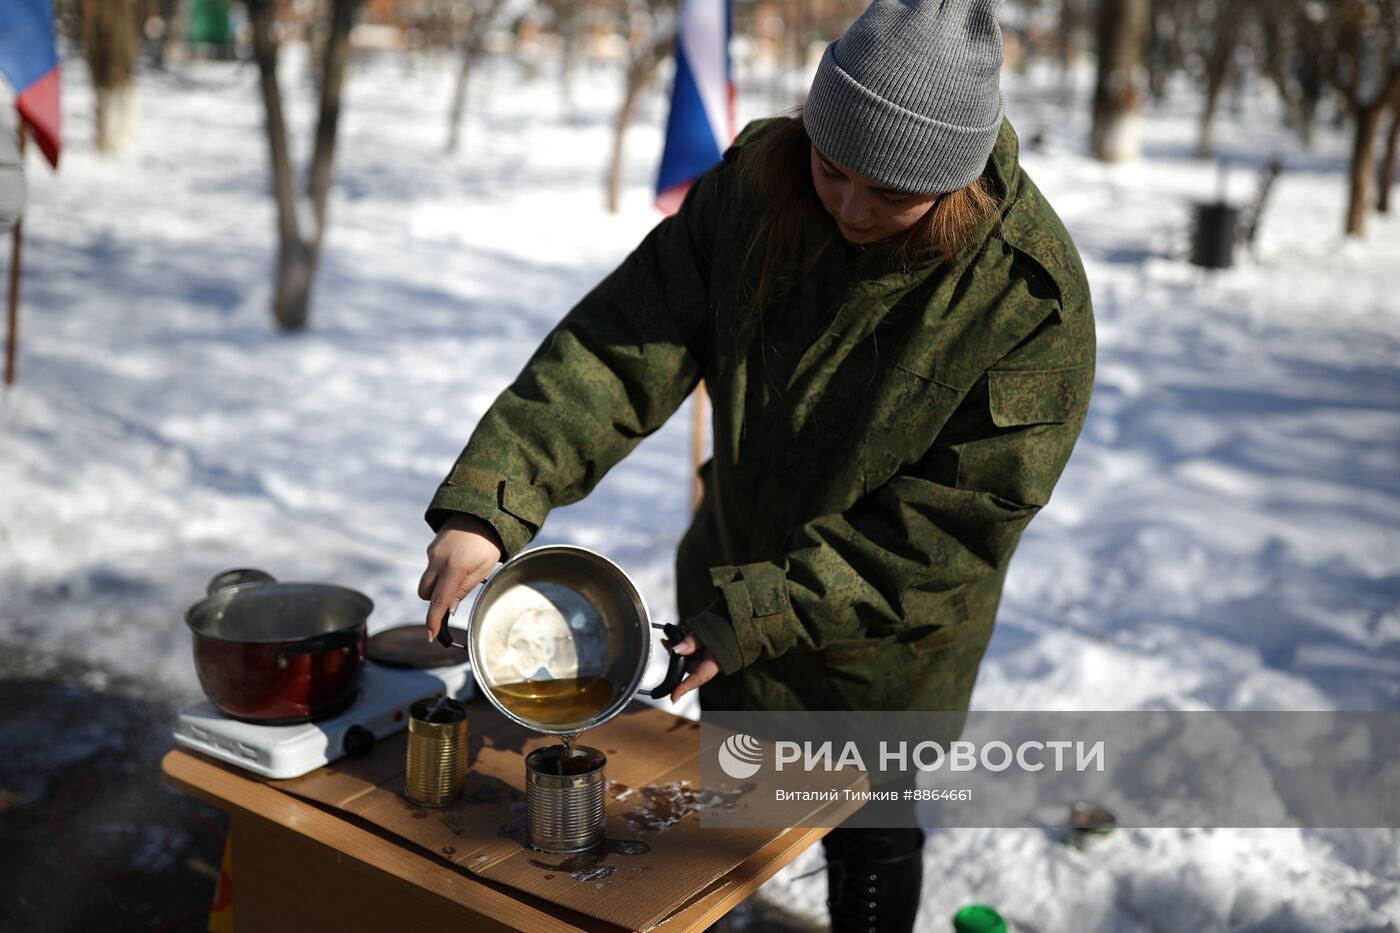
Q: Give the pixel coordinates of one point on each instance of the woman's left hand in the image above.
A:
(701, 666)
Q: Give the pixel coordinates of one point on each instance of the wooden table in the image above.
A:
(301, 867)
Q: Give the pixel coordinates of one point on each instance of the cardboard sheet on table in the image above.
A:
(649, 752)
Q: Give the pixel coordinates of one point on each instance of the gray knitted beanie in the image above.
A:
(910, 96)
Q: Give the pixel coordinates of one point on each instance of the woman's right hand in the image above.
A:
(460, 557)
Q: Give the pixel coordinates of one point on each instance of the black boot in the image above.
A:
(873, 879)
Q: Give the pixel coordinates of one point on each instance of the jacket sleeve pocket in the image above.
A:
(1032, 420)
(1034, 396)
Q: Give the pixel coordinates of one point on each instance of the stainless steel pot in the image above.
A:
(560, 637)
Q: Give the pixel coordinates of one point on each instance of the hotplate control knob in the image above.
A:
(358, 741)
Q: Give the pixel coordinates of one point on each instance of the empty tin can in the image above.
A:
(436, 767)
(564, 798)
(1089, 824)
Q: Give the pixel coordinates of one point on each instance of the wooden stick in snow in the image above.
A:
(16, 248)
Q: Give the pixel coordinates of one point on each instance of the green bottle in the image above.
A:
(978, 918)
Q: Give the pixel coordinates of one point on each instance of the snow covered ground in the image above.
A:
(1225, 536)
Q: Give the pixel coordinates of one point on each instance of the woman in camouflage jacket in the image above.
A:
(896, 335)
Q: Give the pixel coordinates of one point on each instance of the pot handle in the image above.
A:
(675, 669)
(238, 577)
(330, 641)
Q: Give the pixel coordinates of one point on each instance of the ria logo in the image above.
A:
(740, 756)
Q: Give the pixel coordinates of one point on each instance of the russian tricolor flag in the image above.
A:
(29, 60)
(701, 124)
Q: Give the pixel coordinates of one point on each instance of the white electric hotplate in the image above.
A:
(380, 710)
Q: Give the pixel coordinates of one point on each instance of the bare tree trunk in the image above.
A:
(328, 121)
(569, 23)
(298, 254)
(1279, 44)
(459, 98)
(262, 14)
(1218, 69)
(111, 45)
(483, 12)
(291, 296)
(1368, 124)
(1070, 24)
(1171, 26)
(639, 75)
(1122, 39)
(800, 26)
(1386, 178)
(1311, 73)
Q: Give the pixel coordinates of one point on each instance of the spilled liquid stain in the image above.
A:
(589, 866)
(665, 805)
(581, 872)
(515, 829)
(415, 811)
(452, 820)
(483, 793)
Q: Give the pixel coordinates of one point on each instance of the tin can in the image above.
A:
(1089, 825)
(564, 798)
(436, 767)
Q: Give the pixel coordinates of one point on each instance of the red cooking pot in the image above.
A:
(278, 653)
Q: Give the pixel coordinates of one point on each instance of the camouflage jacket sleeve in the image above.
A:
(610, 373)
(933, 526)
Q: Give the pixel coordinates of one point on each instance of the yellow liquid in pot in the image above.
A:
(555, 702)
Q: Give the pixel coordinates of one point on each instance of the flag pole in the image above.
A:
(16, 247)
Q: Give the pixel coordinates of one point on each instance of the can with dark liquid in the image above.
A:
(564, 798)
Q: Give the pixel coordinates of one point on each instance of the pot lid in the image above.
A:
(270, 611)
(404, 646)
